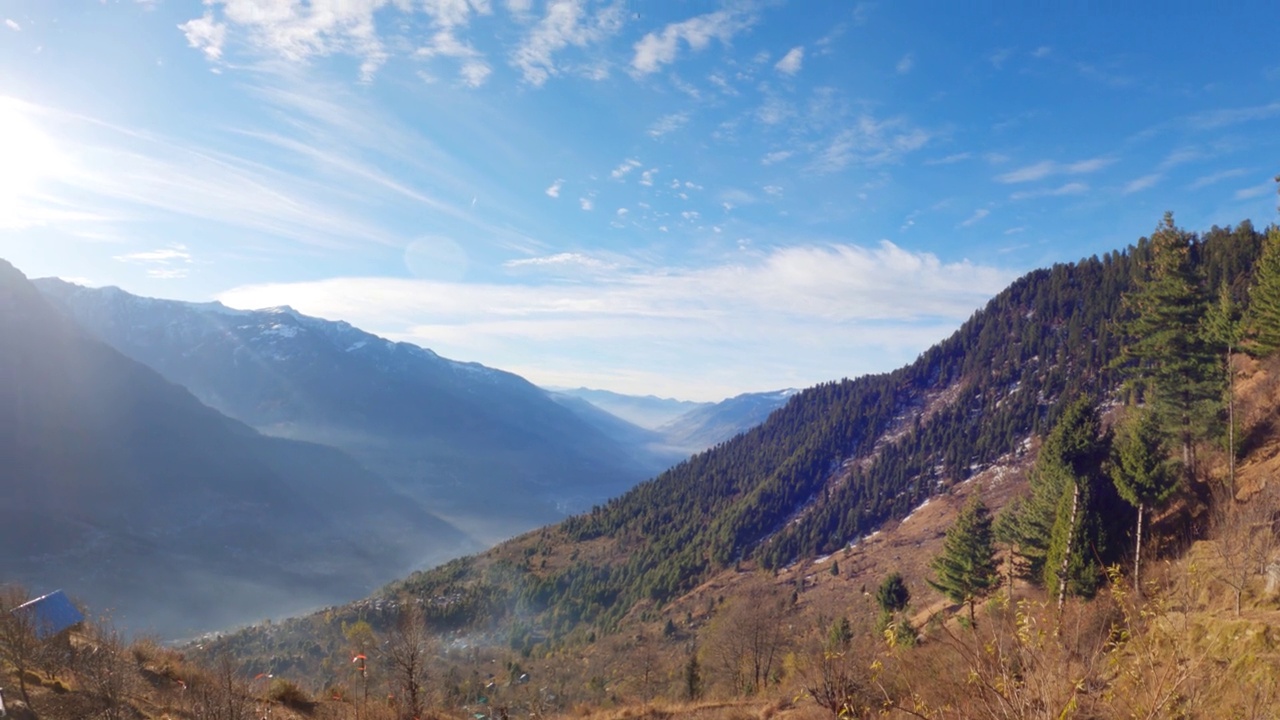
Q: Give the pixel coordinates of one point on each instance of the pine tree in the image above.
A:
(966, 569)
(1263, 320)
(1142, 473)
(893, 595)
(1169, 359)
(1224, 330)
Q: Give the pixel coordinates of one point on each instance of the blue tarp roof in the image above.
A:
(51, 614)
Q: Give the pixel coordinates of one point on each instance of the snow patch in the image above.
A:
(918, 509)
(284, 331)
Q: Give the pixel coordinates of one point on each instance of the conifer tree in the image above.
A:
(966, 569)
(1263, 320)
(1170, 360)
(1223, 329)
(1142, 473)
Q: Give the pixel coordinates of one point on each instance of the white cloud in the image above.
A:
(999, 57)
(560, 261)
(775, 157)
(662, 47)
(566, 24)
(625, 168)
(1207, 180)
(791, 316)
(976, 217)
(168, 263)
(1041, 52)
(950, 159)
(1071, 188)
(1141, 183)
(586, 203)
(206, 35)
(773, 190)
(622, 212)
(646, 177)
(554, 189)
(298, 31)
(1255, 191)
(474, 70)
(791, 62)
(12, 25)
(1045, 168)
(869, 142)
(1234, 116)
(668, 124)
(904, 65)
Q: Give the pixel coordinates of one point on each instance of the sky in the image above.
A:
(685, 198)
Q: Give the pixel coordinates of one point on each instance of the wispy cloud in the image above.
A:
(976, 217)
(869, 142)
(791, 62)
(1072, 188)
(1142, 183)
(907, 62)
(641, 322)
(646, 177)
(668, 124)
(12, 25)
(1234, 116)
(567, 23)
(554, 189)
(1046, 168)
(625, 168)
(1205, 181)
(776, 156)
(662, 47)
(586, 203)
(950, 159)
(168, 263)
(1256, 191)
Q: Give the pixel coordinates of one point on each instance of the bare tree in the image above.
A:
(1243, 538)
(104, 671)
(20, 645)
(749, 639)
(408, 650)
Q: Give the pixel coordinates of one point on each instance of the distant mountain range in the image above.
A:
(670, 429)
(124, 489)
(483, 448)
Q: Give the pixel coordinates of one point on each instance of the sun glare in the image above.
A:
(29, 157)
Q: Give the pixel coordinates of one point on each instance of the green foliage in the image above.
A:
(966, 569)
(893, 595)
(1088, 516)
(1263, 319)
(1171, 362)
(1140, 466)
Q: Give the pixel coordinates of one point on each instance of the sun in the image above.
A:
(29, 157)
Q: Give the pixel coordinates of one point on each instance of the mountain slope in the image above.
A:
(125, 490)
(705, 427)
(826, 470)
(647, 411)
(483, 448)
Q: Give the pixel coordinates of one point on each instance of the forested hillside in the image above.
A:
(828, 468)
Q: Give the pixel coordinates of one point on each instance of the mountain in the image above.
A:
(710, 425)
(483, 448)
(824, 474)
(126, 491)
(648, 411)
(667, 436)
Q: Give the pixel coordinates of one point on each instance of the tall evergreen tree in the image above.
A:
(1263, 319)
(1142, 473)
(966, 569)
(1224, 330)
(1169, 359)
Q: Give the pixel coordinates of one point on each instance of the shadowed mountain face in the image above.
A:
(126, 491)
(483, 448)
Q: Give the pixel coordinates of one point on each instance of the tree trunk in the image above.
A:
(1066, 552)
(1231, 424)
(1137, 553)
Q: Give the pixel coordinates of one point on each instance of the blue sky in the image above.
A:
(686, 198)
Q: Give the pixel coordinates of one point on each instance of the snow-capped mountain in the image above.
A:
(483, 448)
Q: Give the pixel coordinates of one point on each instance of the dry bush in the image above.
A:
(1021, 661)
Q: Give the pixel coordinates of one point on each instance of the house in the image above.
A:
(49, 616)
